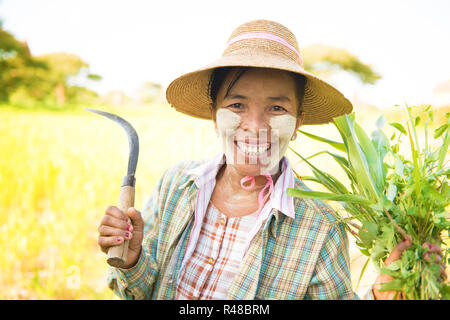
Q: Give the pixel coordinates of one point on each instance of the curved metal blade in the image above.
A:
(133, 139)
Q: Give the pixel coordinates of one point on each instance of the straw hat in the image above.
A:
(259, 43)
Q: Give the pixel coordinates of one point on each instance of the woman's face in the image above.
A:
(256, 119)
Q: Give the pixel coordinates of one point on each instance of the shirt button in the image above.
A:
(210, 260)
(222, 221)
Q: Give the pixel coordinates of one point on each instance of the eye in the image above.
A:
(278, 108)
(235, 106)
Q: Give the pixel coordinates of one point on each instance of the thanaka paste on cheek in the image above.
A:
(282, 130)
(227, 124)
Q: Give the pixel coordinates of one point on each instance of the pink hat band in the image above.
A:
(267, 36)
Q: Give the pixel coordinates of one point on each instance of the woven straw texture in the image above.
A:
(322, 102)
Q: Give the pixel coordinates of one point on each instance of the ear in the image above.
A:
(300, 120)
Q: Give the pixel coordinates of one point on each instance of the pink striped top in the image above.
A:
(206, 181)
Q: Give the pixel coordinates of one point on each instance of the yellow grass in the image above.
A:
(58, 173)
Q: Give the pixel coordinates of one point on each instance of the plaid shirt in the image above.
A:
(304, 257)
(217, 256)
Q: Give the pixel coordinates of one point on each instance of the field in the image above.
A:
(60, 170)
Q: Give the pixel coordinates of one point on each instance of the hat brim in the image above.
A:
(322, 102)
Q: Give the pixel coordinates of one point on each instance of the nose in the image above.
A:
(255, 122)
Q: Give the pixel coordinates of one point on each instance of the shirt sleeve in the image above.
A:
(138, 281)
(331, 279)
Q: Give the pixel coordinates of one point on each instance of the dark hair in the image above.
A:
(219, 74)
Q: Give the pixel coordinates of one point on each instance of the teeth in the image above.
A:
(253, 150)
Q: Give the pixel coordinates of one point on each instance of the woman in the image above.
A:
(225, 228)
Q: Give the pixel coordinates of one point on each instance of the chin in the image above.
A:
(248, 169)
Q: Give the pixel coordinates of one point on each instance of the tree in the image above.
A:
(26, 79)
(63, 66)
(325, 60)
(16, 64)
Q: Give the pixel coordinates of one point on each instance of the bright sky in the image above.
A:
(131, 42)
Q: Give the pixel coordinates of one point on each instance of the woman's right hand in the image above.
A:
(116, 226)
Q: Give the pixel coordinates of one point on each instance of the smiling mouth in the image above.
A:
(253, 149)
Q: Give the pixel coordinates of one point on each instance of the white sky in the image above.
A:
(130, 42)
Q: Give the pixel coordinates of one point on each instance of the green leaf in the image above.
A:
(445, 291)
(368, 232)
(387, 204)
(399, 127)
(365, 252)
(433, 193)
(362, 272)
(345, 165)
(358, 161)
(327, 180)
(327, 196)
(338, 145)
(309, 178)
(394, 265)
(382, 146)
(330, 182)
(389, 272)
(394, 285)
(417, 121)
(324, 178)
(373, 160)
(417, 168)
(440, 131)
(388, 235)
(444, 150)
(393, 136)
(378, 251)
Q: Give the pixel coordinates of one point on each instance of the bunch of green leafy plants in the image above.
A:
(391, 195)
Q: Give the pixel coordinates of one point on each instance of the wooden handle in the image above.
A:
(117, 255)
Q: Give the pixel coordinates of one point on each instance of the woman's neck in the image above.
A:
(229, 196)
(228, 176)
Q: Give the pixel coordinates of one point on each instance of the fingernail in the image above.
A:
(128, 227)
(127, 235)
(119, 239)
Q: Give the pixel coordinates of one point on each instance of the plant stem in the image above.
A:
(398, 228)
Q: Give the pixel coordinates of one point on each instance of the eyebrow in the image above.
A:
(279, 98)
(235, 96)
(240, 96)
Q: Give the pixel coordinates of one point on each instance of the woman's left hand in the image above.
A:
(395, 255)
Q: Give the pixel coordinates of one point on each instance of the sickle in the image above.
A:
(117, 254)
